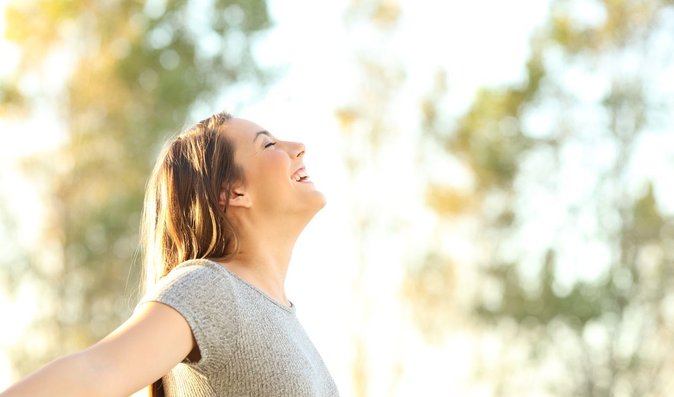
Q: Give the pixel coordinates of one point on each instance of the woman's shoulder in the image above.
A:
(192, 279)
(203, 295)
(196, 268)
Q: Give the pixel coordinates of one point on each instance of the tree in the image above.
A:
(365, 130)
(576, 255)
(133, 73)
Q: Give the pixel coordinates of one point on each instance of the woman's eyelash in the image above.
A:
(269, 144)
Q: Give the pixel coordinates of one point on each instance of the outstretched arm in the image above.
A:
(143, 349)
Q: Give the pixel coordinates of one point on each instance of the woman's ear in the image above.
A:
(238, 197)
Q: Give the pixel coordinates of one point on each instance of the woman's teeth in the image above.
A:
(301, 176)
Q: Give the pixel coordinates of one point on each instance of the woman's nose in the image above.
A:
(298, 150)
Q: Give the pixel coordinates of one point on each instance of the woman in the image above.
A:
(223, 209)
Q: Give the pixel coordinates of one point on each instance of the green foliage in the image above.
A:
(489, 138)
(135, 74)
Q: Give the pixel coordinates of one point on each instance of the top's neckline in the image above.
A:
(290, 309)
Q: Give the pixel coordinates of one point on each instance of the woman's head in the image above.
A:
(275, 184)
(211, 179)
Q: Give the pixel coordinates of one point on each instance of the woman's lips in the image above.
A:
(300, 176)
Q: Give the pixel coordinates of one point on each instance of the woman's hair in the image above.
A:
(182, 217)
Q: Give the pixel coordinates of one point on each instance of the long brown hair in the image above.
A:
(182, 217)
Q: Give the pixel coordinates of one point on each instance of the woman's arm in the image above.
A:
(140, 351)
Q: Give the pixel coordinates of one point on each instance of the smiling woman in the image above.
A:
(269, 167)
(223, 209)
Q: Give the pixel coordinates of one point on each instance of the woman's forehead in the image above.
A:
(243, 130)
(246, 136)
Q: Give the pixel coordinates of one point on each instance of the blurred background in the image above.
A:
(499, 221)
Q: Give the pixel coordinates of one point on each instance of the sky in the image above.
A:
(477, 43)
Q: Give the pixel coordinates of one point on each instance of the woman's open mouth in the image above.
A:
(300, 175)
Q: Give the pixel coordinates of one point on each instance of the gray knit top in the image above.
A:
(250, 344)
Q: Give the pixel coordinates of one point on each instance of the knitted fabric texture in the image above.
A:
(250, 345)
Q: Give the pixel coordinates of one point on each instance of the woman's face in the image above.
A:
(276, 181)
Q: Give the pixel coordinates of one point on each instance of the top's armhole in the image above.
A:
(196, 333)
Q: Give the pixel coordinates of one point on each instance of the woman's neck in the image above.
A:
(263, 260)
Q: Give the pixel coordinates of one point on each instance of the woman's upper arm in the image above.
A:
(143, 349)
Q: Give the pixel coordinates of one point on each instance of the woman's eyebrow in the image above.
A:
(261, 133)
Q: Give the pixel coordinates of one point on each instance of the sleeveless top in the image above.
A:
(250, 344)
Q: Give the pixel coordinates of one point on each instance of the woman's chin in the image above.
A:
(323, 199)
(318, 201)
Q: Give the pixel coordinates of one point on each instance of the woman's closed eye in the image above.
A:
(269, 144)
